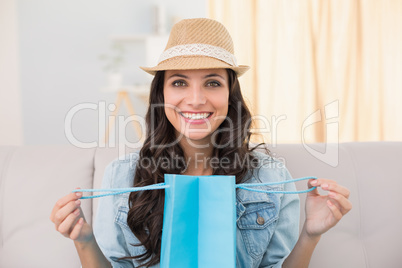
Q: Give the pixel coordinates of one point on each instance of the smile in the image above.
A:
(195, 116)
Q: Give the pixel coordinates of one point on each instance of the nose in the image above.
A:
(196, 95)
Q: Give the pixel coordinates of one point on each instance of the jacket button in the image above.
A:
(260, 220)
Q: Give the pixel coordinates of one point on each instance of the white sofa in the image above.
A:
(32, 178)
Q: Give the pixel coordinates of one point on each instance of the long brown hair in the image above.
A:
(145, 216)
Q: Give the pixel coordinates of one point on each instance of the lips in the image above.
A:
(196, 118)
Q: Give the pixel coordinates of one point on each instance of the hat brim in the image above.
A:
(194, 63)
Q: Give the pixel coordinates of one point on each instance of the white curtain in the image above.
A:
(321, 70)
(10, 96)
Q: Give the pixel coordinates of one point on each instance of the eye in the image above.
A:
(213, 84)
(179, 83)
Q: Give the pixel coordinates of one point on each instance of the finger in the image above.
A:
(63, 201)
(82, 214)
(321, 181)
(344, 204)
(77, 229)
(331, 185)
(62, 213)
(335, 211)
(66, 226)
(335, 187)
(312, 183)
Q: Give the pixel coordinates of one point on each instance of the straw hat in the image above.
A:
(198, 44)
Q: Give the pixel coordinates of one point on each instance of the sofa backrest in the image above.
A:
(32, 178)
(370, 235)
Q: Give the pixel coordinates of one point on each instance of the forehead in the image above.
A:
(201, 73)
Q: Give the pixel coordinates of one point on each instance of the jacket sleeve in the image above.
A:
(286, 232)
(108, 233)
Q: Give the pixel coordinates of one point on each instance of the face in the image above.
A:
(196, 101)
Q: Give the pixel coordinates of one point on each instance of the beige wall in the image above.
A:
(10, 97)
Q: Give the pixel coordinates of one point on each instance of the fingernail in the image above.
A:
(331, 194)
(324, 185)
(77, 212)
(78, 202)
(314, 182)
(78, 194)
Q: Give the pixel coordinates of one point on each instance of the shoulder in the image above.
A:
(268, 168)
(120, 172)
(265, 169)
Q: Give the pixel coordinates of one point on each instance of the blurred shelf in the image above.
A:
(140, 90)
(138, 37)
(154, 45)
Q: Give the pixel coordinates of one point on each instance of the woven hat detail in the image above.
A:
(198, 44)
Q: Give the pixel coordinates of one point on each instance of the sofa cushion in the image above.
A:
(370, 234)
(33, 179)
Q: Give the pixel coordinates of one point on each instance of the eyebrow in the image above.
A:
(212, 75)
(179, 75)
(207, 76)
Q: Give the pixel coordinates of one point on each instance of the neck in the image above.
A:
(197, 154)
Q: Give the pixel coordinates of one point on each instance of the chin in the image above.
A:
(196, 136)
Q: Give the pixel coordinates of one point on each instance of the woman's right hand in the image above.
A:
(69, 220)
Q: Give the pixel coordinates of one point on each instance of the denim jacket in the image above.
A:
(264, 243)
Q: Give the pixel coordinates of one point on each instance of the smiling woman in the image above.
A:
(197, 115)
(196, 101)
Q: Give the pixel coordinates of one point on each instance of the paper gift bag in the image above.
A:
(199, 222)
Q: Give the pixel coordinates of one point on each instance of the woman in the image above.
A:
(197, 115)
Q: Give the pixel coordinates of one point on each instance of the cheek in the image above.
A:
(171, 102)
(168, 110)
(221, 103)
(171, 97)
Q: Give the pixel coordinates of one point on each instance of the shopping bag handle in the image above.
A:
(116, 191)
(244, 186)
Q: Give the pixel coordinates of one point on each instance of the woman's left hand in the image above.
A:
(324, 211)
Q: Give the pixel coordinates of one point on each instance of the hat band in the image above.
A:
(199, 50)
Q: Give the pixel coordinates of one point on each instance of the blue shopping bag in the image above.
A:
(199, 222)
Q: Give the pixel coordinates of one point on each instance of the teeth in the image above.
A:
(196, 116)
